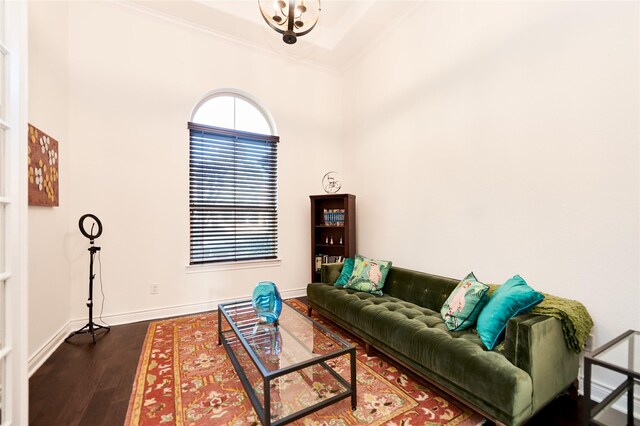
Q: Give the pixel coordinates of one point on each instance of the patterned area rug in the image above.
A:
(185, 378)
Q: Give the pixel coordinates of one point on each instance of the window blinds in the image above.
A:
(232, 195)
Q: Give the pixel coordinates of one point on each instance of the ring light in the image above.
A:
(91, 326)
(90, 235)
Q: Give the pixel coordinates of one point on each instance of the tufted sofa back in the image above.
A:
(426, 290)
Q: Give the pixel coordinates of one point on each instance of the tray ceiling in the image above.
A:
(345, 29)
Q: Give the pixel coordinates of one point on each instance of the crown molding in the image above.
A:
(140, 8)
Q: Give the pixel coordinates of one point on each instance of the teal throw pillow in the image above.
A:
(347, 270)
(464, 304)
(512, 298)
(369, 275)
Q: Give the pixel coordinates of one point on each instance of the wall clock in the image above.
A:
(331, 182)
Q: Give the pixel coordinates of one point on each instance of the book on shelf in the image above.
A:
(333, 217)
(321, 259)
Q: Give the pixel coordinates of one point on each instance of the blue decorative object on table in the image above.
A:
(267, 302)
(267, 341)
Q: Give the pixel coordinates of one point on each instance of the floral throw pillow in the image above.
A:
(369, 275)
(464, 304)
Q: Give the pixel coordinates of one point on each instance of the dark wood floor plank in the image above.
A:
(83, 383)
(99, 404)
(86, 384)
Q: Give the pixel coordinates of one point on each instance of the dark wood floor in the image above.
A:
(87, 384)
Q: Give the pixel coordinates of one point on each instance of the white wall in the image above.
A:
(134, 80)
(503, 138)
(48, 226)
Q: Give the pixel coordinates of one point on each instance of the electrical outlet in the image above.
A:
(153, 289)
(588, 346)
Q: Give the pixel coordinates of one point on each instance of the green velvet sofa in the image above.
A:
(508, 385)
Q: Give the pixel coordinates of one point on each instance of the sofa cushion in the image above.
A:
(369, 275)
(464, 304)
(427, 290)
(512, 298)
(486, 378)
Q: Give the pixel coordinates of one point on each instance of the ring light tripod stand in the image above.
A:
(91, 327)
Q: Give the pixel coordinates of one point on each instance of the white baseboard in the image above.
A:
(600, 391)
(37, 359)
(41, 355)
(177, 310)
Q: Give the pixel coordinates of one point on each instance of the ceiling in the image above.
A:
(346, 28)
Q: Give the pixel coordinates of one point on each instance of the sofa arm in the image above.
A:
(536, 344)
(329, 272)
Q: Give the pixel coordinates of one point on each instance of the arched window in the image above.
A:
(233, 166)
(231, 110)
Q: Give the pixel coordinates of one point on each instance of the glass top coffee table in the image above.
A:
(621, 355)
(289, 369)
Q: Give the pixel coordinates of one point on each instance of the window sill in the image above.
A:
(230, 266)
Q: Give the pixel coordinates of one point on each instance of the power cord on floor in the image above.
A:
(101, 290)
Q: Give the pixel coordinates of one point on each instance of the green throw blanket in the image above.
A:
(576, 321)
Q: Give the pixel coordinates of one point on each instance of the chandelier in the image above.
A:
(291, 18)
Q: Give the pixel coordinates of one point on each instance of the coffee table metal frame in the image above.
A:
(263, 408)
(633, 377)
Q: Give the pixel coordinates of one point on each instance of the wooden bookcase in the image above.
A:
(343, 229)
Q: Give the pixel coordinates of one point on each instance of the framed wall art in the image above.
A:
(43, 169)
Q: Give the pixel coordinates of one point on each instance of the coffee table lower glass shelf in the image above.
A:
(621, 356)
(288, 369)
